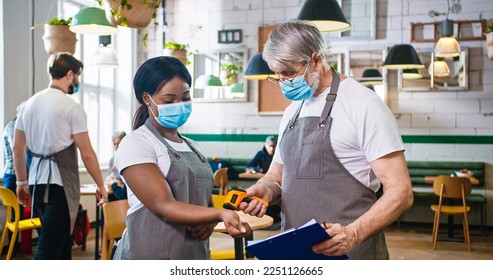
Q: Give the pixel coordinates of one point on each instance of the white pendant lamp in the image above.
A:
(447, 45)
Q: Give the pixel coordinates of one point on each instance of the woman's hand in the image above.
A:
(233, 224)
(201, 232)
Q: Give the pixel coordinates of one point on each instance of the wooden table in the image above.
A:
(90, 189)
(254, 222)
(250, 175)
(431, 179)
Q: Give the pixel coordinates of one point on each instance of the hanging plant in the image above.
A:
(179, 51)
(130, 13)
(489, 40)
(58, 37)
(230, 73)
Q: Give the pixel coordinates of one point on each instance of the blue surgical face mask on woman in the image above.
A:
(172, 115)
(299, 88)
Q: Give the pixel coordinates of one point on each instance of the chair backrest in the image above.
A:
(115, 213)
(221, 177)
(9, 199)
(453, 187)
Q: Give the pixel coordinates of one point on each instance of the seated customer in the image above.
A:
(113, 182)
(263, 158)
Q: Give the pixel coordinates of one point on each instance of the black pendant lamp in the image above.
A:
(411, 74)
(325, 14)
(257, 68)
(402, 56)
(371, 77)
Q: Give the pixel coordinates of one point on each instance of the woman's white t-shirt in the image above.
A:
(363, 128)
(141, 146)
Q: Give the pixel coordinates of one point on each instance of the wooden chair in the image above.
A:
(221, 180)
(447, 187)
(10, 201)
(221, 254)
(115, 214)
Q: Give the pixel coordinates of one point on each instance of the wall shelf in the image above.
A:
(463, 30)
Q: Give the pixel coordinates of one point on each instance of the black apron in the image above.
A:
(68, 165)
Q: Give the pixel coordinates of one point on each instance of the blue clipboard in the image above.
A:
(294, 244)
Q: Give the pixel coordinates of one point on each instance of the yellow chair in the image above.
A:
(221, 181)
(115, 213)
(447, 187)
(221, 254)
(10, 201)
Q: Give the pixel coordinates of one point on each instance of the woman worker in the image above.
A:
(169, 180)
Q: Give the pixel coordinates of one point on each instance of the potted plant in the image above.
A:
(230, 73)
(489, 40)
(178, 50)
(58, 37)
(130, 13)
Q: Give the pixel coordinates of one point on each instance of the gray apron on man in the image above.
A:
(147, 235)
(316, 185)
(68, 165)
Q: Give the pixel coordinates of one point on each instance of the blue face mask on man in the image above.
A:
(173, 115)
(298, 89)
(73, 88)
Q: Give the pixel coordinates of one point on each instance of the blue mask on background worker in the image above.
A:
(173, 115)
(73, 88)
(299, 90)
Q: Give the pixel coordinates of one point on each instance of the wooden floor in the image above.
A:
(404, 243)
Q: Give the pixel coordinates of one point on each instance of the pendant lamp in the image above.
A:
(257, 68)
(371, 77)
(439, 69)
(402, 56)
(325, 14)
(447, 46)
(105, 56)
(92, 21)
(207, 81)
(237, 88)
(411, 74)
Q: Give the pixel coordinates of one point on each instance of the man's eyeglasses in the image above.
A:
(288, 82)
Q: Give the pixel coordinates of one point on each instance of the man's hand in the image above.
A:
(24, 196)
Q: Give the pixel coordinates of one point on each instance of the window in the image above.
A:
(105, 93)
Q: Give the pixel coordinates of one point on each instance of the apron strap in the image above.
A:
(41, 158)
(292, 122)
(331, 97)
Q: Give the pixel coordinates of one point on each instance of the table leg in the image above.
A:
(451, 226)
(238, 248)
(249, 238)
(98, 218)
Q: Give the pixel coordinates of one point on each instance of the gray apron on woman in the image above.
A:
(147, 235)
(316, 185)
(68, 165)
